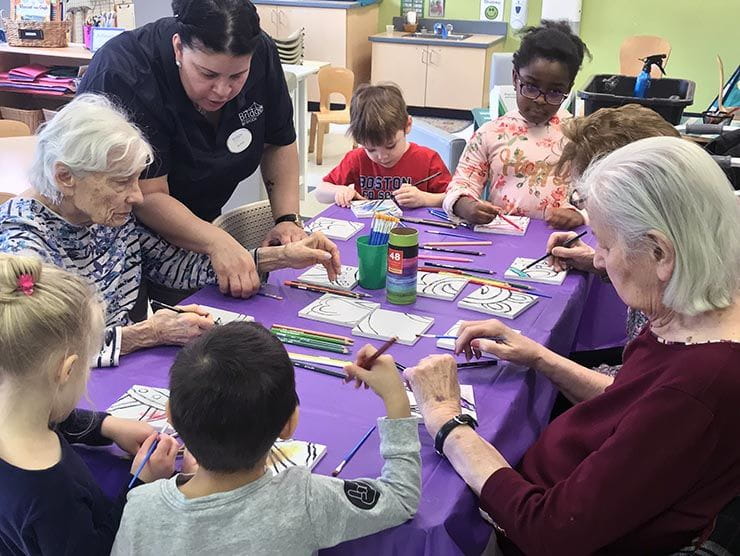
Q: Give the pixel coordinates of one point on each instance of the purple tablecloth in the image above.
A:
(513, 403)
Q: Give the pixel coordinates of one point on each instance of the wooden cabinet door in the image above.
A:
(405, 65)
(325, 39)
(268, 18)
(456, 77)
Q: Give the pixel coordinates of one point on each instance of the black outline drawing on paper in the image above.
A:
(334, 228)
(498, 302)
(383, 325)
(334, 309)
(541, 272)
(436, 286)
(317, 275)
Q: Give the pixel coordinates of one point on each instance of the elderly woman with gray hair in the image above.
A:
(644, 462)
(78, 216)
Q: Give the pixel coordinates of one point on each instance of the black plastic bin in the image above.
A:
(668, 97)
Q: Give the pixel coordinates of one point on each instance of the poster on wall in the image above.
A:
(31, 10)
(492, 10)
(436, 8)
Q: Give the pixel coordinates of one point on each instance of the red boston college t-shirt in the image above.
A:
(373, 181)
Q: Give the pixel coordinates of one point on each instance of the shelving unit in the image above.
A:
(14, 56)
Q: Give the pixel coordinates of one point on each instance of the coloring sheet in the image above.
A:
(383, 325)
(317, 276)
(142, 403)
(500, 226)
(467, 401)
(542, 272)
(293, 453)
(334, 309)
(366, 209)
(438, 286)
(334, 228)
(498, 302)
(221, 316)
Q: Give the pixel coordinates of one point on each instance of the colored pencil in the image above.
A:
(369, 363)
(298, 285)
(510, 222)
(456, 243)
(445, 258)
(443, 337)
(352, 452)
(320, 359)
(270, 295)
(299, 335)
(149, 453)
(304, 342)
(439, 213)
(159, 305)
(462, 268)
(451, 234)
(427, 222)
(476, 364)
(426, 247)
(314, 332)
(422, 180)
(317, 369)
(568, 243)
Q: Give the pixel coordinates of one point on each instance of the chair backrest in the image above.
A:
(5, 197)
(501, 97)
(502, 64)
(248, 224)
(448, 146)
(335, 80)
(639, 46)
(13, 128)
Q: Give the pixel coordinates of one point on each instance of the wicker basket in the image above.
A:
(46, 34)
(32, 118)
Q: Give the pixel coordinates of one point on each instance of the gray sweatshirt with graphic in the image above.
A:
(293, 513)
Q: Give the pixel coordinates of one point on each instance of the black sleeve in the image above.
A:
(99, 79)
(83, 427)
(279, 110)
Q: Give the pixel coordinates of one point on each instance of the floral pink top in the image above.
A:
(518, 159)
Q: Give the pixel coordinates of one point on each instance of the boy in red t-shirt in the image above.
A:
(386, 164)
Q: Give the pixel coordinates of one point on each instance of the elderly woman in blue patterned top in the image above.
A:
(78, 215)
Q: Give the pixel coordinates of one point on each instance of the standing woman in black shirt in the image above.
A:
(207, 89)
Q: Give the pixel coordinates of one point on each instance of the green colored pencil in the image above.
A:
(313, 344)
(308, 336)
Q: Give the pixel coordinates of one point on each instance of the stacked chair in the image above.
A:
(290, 49)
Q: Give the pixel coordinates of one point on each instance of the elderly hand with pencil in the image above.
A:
(383, 378)
(577, 255)
(494, 337)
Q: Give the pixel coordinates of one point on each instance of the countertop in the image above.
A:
(332, 4)
(474, 41)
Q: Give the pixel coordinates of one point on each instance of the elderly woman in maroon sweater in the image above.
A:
(643, 462)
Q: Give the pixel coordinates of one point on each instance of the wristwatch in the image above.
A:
(294, 218)
(444, 432)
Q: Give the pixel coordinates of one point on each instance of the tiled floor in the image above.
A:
(336, 145)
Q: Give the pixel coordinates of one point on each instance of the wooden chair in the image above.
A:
(248, 224)
(331, 80)
(639, 46)
(13, 128)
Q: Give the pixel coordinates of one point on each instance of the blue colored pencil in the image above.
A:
(451, 234)
(439, 213)
(148, 455)
(352, 452)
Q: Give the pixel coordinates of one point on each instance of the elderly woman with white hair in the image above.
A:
(644, 462)
(78, 216)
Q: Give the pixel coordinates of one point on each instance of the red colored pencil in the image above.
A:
(369, 363)
(509, 221)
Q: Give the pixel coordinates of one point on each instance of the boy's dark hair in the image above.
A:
(377, 113)
(221, 26)
(231, 393)
(553, 40)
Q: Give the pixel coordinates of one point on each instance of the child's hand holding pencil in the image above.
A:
(156, 458)
(383, 378)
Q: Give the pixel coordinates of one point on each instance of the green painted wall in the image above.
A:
(696, 37)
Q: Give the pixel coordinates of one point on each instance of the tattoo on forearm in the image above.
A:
(269, 185)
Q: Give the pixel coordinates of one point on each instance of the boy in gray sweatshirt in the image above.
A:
(232, 394)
